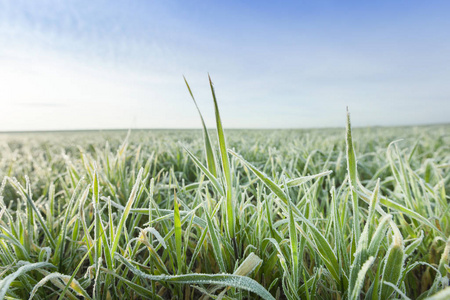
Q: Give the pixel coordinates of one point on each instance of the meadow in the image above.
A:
(226, 214)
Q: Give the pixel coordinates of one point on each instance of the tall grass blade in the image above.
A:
(126, 212)
(177, 225)
(210, 158)
(225, 166)
(352, 175)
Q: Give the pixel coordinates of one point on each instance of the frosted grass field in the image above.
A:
(261, 214)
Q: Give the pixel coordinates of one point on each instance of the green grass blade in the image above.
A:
(360, 279)
(215, 241)
(304, 179)
(379, 235)
(366, 195)
(138, 288)
(352, 174)
(232, 280)
(178, 245)
(97, 233)
(30, 202)
(61, 296)
(267, 181)
(225, 166)
(126, 212)
(55, 277)
(394, 264)
(27, 267)
(208, 174)
(361, 253)
(294, 246)
(325, 251)
(210, 158)
(441, 295)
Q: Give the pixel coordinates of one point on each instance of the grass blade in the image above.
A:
(210, 158)
(27, 267)
(232, 280)
(208, 174)
(441, 295)
(225, 166)
(352, 175)
(177, 225)
(126, 212)
(360, 279)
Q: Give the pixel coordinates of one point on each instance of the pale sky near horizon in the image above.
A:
(275, 64)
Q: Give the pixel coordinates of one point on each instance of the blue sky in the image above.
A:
(275, 64)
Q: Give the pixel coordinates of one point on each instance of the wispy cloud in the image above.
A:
(293, 65)
(41, 104)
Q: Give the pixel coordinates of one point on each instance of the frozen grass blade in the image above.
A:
(294, 230)
(394, 264)
(68, 283)
(441, 295)
(126, 212)
(208, 174)
(294, 246)
(27, 267)
(232, 280)
(178, 245)
(31, 204)
(304, 179)
(210, 158)
(352, 175)
(360, 279)
(445, 259)
(267, 181)
(55, 277)
(366, 194)
(323, 247)
(396, 289)
(139, 289)
(362, 250)
(215, 241)
(225, 166)
(379, 235)
(98, 227)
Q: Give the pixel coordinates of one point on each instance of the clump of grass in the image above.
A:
(327, 214)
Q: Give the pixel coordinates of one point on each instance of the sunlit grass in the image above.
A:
(310, 214)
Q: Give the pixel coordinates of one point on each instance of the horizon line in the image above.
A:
(200, 128)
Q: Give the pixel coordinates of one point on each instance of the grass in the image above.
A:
(274, 214)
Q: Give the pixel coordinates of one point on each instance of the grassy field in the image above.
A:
(184, 214)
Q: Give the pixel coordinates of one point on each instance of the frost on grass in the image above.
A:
(286, 228)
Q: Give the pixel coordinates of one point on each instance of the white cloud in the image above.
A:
(71, 66)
